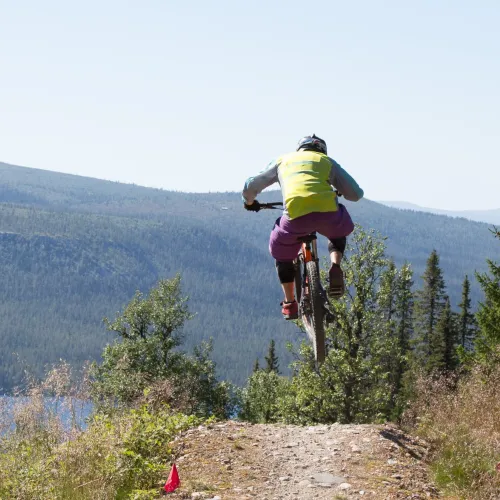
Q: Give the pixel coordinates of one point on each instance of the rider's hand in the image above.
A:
(254, 207)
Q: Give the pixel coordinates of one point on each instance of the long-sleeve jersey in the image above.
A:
(308, 181)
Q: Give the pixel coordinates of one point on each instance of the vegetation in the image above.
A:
(460, 419)
(125, 449)
(123, 455)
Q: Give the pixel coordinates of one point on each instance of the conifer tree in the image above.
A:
(404, 328)
(388, 290)
(272, 364)
(256, 366)
(487, 341)
(467, 321)
(429, 304)
(404, 307)
(444, 342)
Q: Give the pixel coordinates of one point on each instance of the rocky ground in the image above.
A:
(235, 460)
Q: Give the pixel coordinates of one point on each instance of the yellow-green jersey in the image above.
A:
(308, 181)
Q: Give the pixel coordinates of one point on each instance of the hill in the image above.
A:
(75, 249)
(488, 216)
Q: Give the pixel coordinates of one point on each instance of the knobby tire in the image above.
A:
(317, 313)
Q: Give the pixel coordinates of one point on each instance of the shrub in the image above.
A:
(119, 455)
(461, 421)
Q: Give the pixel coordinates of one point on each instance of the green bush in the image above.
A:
(120, 456)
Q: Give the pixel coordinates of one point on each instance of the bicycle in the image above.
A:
(314, 306)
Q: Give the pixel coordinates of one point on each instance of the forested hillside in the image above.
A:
(74, 250)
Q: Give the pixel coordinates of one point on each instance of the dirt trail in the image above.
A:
(236, 460)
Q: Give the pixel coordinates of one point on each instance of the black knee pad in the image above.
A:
(337, 245)
(286, 271)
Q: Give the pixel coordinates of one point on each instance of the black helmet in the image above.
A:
(312, 142)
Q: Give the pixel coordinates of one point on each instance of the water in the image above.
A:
(59, 406)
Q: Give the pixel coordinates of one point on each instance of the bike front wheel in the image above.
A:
(311, 308)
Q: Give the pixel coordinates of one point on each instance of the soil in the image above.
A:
(235, 460)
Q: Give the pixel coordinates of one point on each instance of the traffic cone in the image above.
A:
(173, 481)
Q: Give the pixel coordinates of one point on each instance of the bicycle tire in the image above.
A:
(317, 313)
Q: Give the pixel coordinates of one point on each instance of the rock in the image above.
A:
(391, 461)
(304, 482)
(355, 449)
(196, 494)
(291, 445)
(284, 478)
(344, 486)
(361, 492)
(326, 478)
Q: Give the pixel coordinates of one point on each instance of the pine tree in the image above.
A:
(444, 342)
(467, 320)
(404, 328)
(387, 291)
(272, 364)
(487, 341)
(256, 366)
(429, 304)
(404, 308)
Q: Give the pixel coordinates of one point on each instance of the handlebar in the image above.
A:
(272, 205)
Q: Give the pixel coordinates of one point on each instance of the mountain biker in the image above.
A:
(308, 180)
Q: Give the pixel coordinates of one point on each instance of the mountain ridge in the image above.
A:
(105, 240)
(490, 216)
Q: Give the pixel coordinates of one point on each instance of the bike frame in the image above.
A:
(309, 253)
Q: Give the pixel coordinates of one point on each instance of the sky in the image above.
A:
(198, 96)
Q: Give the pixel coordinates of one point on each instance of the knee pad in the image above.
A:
(286, 271)
(337, 245)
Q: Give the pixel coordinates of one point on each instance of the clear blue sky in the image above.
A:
(197, 96)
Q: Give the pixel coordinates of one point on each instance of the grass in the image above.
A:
(461, 420)
(118, 456)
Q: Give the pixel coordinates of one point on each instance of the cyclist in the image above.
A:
(308, 180)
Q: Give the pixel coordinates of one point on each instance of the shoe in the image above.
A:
(336, 289)
(290, 310)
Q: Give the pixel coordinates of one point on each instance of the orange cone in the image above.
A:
(173, 481)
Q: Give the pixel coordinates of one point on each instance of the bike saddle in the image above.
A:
(308, 238)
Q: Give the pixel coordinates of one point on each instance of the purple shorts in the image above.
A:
(283, 243)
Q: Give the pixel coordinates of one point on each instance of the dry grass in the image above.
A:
(124, 455)
(462, 421)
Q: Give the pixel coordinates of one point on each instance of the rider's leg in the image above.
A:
(336, 247)
(286, 274)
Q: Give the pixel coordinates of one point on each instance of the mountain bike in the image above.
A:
(314, 306)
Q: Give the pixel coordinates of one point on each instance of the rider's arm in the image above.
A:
(264, 179)
(344, 183)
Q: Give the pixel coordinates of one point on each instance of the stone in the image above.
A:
(326, 478)
(284, 478)
(355, 449)
(196, 494)
(291, 445)
(344, 486)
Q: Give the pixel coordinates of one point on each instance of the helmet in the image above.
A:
(312, 142)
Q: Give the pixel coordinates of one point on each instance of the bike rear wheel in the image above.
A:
(311, 306)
